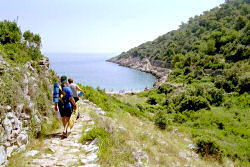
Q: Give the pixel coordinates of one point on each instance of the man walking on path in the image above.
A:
(63, 103)
(74, 88)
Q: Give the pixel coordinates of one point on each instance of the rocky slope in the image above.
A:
(157, 68)
(25, 104)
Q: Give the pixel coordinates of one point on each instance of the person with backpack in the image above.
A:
(63, 99)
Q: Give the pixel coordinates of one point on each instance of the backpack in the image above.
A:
(59, 96)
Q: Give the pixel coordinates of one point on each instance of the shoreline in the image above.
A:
(160, 72)
(123, 92)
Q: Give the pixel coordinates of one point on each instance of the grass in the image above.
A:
(161, 146)
(132, 99)
(112, 148)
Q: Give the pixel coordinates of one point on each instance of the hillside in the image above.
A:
(207, 44)
(203, 70)
(197, 115)
(26, 86)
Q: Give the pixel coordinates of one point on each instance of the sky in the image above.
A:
(100, 26)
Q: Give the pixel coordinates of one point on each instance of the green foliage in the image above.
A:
(215, 96)
(244, 84)
(32, 39)
(9, 32)
(109, 103)
(193, 103)
(207, 146)
(161, 119)
(96, 132)
(154, 99)
(165, 89)
(223, 30)
(46, 128)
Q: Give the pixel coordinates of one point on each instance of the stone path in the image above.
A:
(67, 151)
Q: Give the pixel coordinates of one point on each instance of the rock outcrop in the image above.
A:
(157, 68)
(22, 116)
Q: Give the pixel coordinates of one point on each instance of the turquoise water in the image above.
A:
(93, 70)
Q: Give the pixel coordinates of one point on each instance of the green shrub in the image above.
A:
(187, 70)
(244, 84)
(208, 146)
(176, 72)
(161, 119)
(9, 32)
(165, 89)
(154, 99)
(215, 96)
(193, 103)
(96, 132)
(180, 118)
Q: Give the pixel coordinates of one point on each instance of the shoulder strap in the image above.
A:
(62, 92)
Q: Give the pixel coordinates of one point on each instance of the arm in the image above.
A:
(73, 102)
(77, 87)
(56, 109)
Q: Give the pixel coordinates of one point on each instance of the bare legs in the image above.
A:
(65, 121)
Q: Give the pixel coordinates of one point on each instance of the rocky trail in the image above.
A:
(58, 151)
(54, 150)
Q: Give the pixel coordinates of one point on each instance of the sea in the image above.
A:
(93, 70)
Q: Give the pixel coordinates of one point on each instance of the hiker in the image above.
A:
(74, 88)
(62, 99)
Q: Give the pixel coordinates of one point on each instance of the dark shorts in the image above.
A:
(66, 112)
(76, 99)
(72, 106)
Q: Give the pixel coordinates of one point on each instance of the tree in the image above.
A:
(9, 32)
(32, 39)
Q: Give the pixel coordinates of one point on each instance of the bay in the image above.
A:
(92, 69)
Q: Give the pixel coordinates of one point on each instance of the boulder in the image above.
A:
(19, 109)
(22, 148)
(32, 153)
(17, 125)
(7, 108)
(3, 155)
(122, 129)
(6, 144)
(10, 115)
(44, 62)
(8, 127)
(22, 139)
(25, 84)
(9, 150)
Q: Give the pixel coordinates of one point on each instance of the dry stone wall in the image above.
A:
(16, 120)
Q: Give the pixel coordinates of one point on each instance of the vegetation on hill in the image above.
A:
(25, 81)
(207, 92)
(220, 130)
(217, 35)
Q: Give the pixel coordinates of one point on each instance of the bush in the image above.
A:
(161, 119)
(187, 70)
(154, 99)
(96, 132)
(193, 103)
(208, 146)
(215, 96)
(9, 32)
(165, 89)
(244, 84)
(176, 72)
(180, 118)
